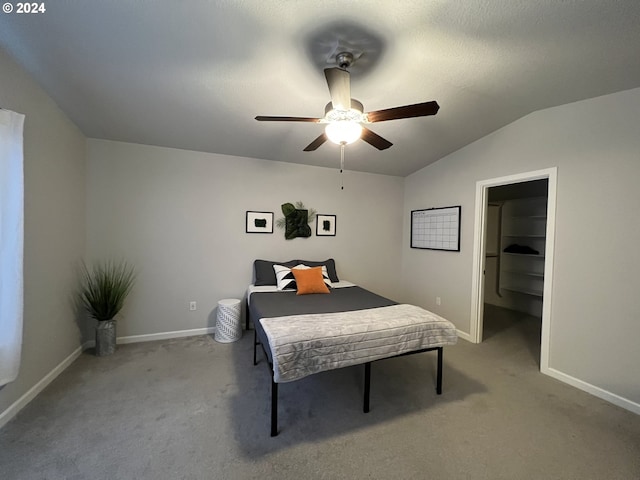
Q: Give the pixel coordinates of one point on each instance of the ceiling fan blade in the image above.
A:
(339, 87)
(287, 119)
(316, 143)
(374, 139)
(406, 111)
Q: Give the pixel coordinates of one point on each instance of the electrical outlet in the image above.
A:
(438, 301)
(192, 306)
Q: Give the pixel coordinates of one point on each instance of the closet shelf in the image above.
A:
(526, 274)
(522, 229)
(533, 293)
(528, 255)
(526, 235)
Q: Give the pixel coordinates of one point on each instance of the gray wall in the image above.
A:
(54, 170)
(179, 216)
(596, 307)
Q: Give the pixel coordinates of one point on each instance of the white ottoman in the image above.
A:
(228, 326)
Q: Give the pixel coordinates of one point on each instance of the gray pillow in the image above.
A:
(264, 273)
(330, 264)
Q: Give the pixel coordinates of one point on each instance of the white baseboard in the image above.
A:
(22, 402)
(151, 337)
(464, 336)
(166, 335)
(593, 390)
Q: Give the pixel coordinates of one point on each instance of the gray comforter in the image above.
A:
(301, 345)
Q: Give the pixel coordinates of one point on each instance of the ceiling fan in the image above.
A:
(345, 117)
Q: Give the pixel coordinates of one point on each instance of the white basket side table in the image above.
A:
(228, 326)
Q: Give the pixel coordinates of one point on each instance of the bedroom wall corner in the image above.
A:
(594, 144)
(54, 232)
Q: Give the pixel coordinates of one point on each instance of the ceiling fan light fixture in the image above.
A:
(344, 116)
(343, 132)
(354, 114)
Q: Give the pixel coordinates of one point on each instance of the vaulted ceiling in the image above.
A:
(194, 74)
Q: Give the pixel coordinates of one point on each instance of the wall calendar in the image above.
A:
(436, 228)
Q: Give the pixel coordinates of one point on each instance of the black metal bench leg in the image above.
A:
(255, 344)
(367, 386)
(246, 318)
(274, 408)
(439, 377)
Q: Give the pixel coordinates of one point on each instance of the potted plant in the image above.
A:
(103, 289)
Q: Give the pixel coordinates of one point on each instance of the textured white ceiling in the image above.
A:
(193, 74)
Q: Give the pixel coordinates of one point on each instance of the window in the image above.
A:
(11, 243)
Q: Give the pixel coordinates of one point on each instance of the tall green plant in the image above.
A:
(104, 287)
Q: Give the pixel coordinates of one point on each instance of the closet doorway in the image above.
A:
(513, 257)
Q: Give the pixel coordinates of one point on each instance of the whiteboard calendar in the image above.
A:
(436, 228)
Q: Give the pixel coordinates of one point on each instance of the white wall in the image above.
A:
(179, 216)
(596, 307)
(54, 170)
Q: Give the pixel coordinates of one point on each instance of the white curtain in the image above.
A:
(11, 243)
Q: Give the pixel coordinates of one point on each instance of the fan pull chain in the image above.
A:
(342, 166)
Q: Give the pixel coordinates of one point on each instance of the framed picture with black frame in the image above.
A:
(259, 222)
(325, 225)
(436, 228)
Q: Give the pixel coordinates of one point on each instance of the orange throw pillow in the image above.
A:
(309, 280)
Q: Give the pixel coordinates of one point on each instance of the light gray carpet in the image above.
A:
(196, 409)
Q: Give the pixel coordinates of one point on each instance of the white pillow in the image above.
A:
(284, 278)
(286, 281)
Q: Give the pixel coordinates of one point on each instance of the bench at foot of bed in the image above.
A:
(367, 381)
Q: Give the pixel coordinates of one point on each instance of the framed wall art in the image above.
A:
(325, 225)
(259, 222)
(436, 228)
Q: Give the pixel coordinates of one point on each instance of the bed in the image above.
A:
(307, 321)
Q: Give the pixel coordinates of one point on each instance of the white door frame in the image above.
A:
(477, 281)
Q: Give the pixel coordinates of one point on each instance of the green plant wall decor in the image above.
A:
(296, 220)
